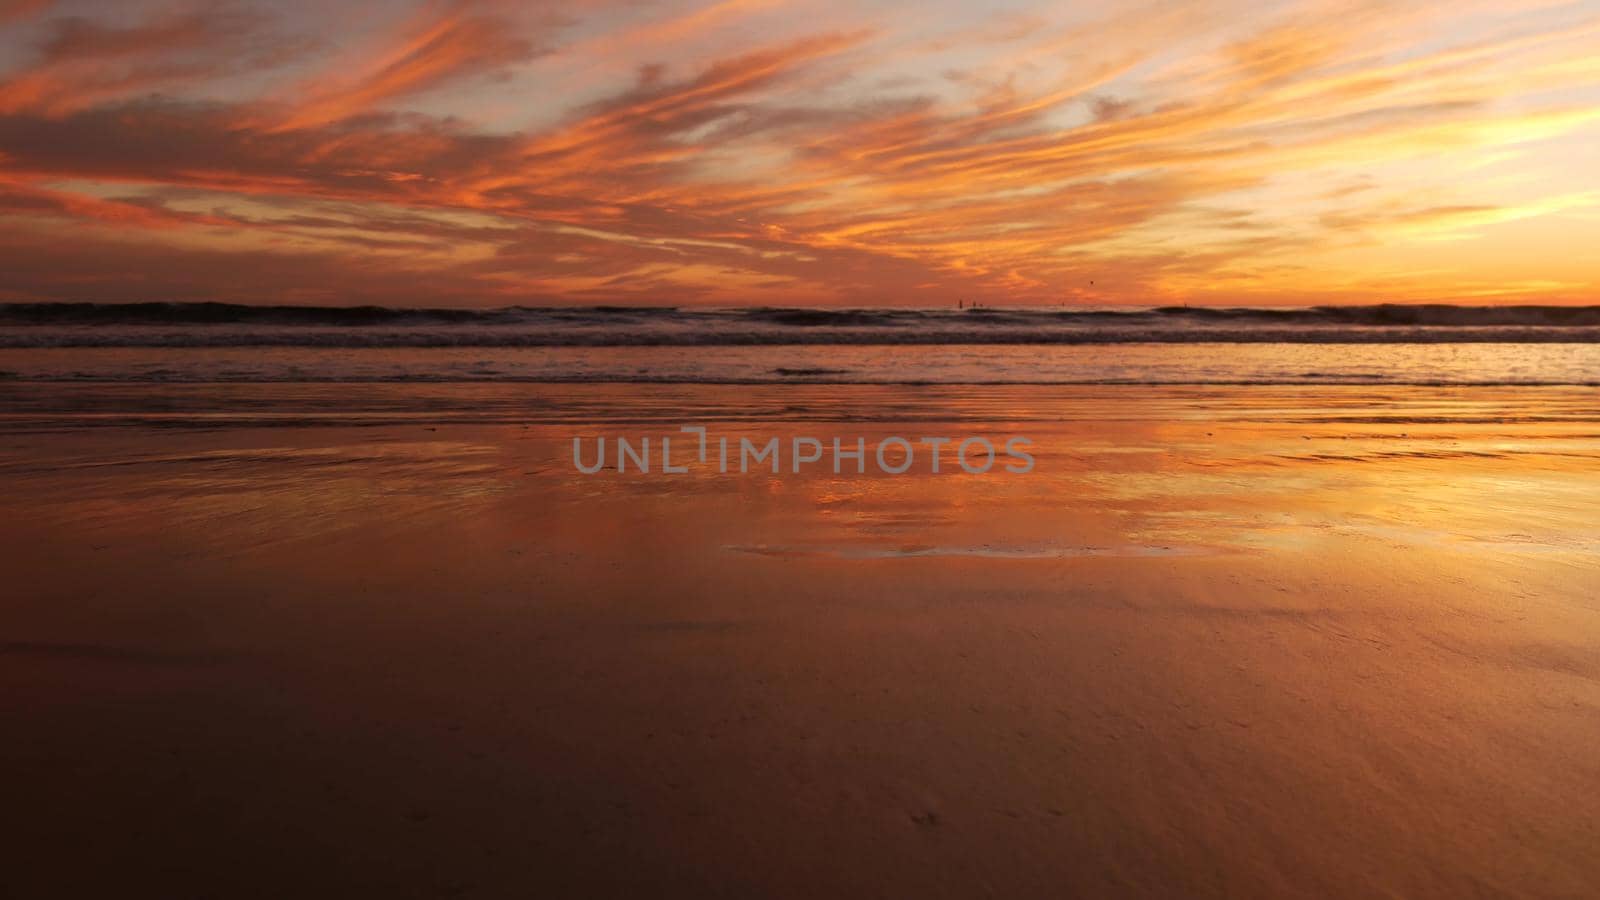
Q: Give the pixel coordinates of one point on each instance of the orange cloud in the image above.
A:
(12, 10)
(1187, 154)
(81, 63)
(442, 43)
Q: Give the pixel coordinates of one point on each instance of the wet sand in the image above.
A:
(283, 640)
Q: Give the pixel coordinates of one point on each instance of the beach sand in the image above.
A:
(384, 640)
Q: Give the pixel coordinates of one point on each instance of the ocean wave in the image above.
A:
(19, 338)
(601, 378)
(225, 324)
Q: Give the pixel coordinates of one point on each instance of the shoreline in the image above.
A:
(1220, 642)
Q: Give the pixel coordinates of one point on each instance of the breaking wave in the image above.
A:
(234, 325)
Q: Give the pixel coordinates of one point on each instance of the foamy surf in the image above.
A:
(230, 325)
(1480, 364)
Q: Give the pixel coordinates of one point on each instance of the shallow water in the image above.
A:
(1221, 641)
(1163, 363)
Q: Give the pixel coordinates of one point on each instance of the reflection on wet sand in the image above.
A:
(1221, 641)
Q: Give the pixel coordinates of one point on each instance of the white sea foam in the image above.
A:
(223, 325)
(932, 364)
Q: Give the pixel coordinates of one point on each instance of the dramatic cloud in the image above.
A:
(21, 9)
(441, 44)
(756, 151)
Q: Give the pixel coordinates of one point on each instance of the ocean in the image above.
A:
(334, 585)
(1366, 345)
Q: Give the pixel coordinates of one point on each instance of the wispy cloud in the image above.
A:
(444, 42)
(851, 154)
(12, 10)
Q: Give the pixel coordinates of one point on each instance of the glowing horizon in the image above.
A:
(768, 152)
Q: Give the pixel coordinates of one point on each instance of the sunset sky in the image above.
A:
(823, 152)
